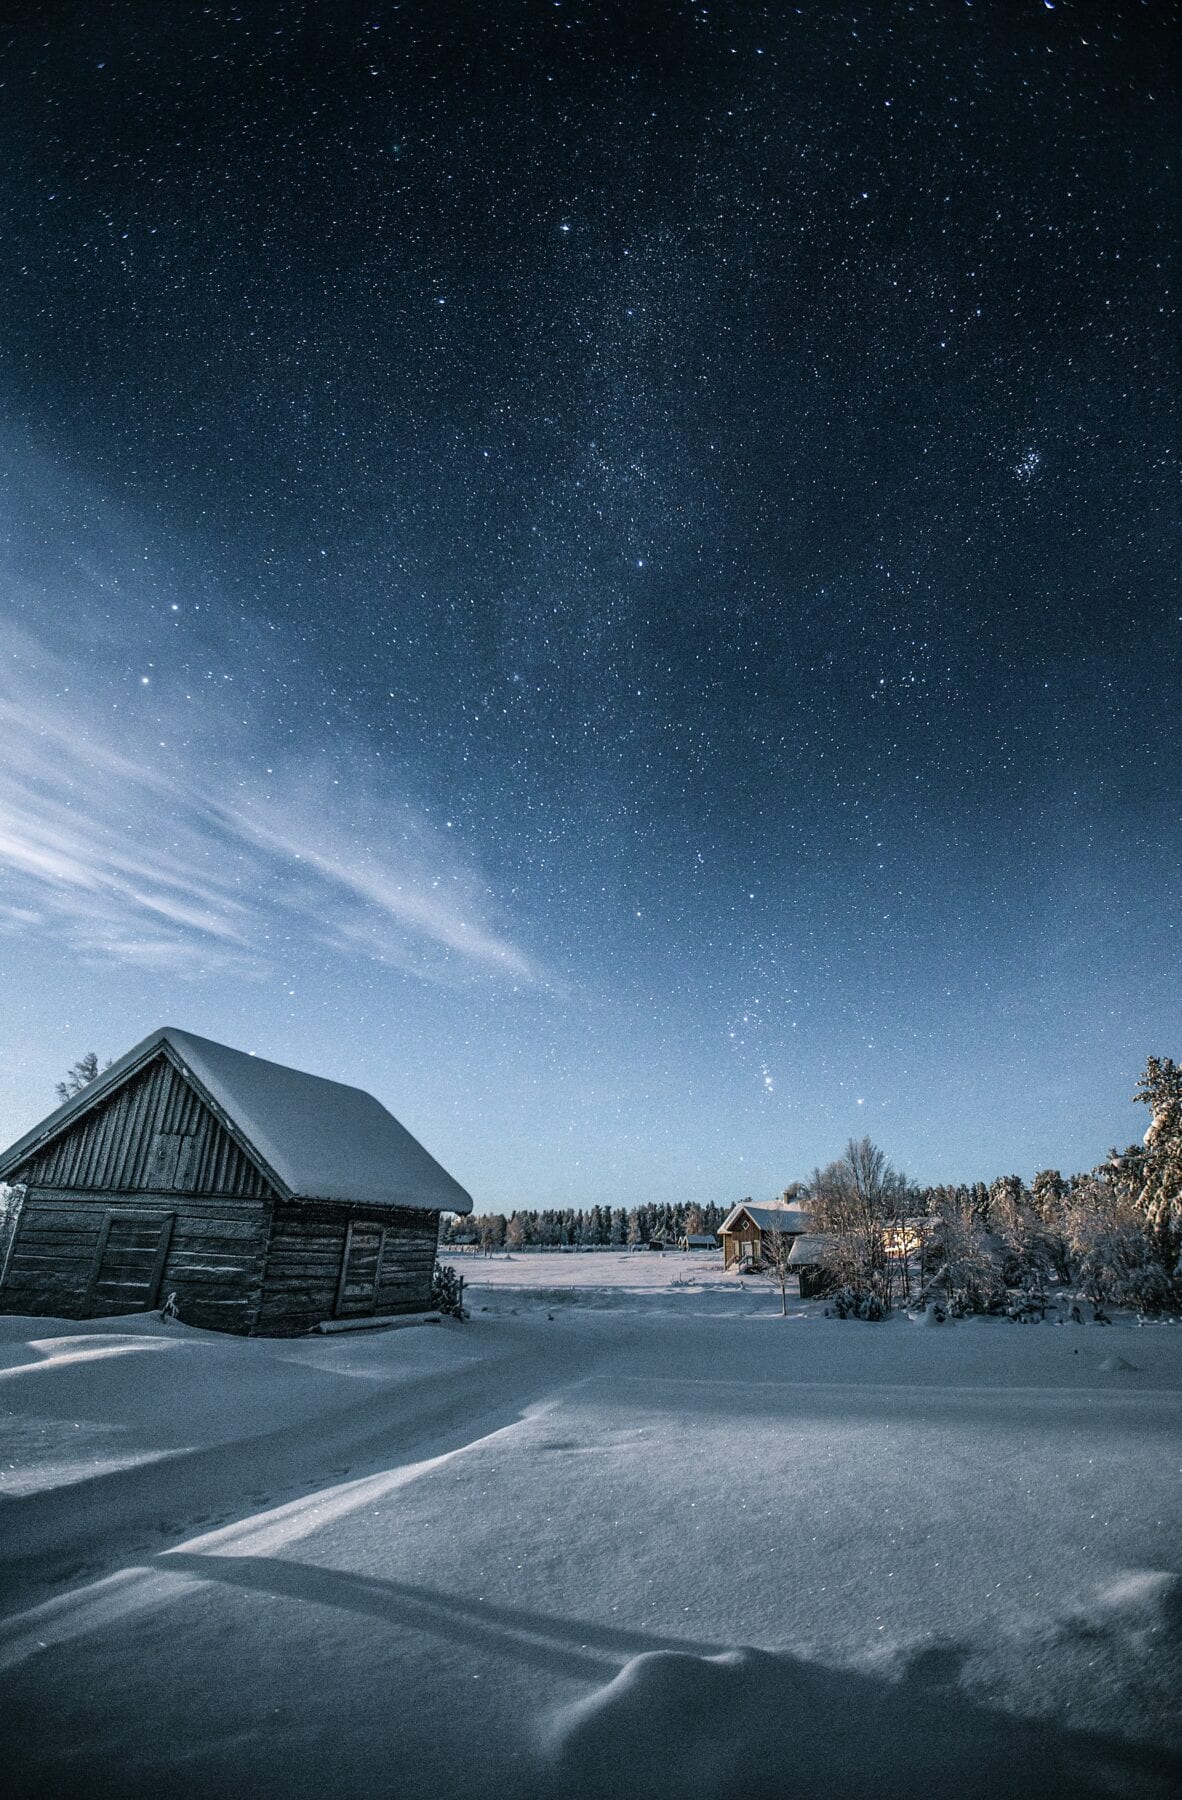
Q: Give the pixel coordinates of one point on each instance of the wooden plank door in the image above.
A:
(128, 1263)
(361, 1268)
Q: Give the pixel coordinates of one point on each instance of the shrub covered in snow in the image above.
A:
(849, 1303)
(447, 1292)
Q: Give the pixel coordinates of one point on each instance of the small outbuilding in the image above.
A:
(743, 1230)
(265, 1200)
(698, 1240)
(806, 1259)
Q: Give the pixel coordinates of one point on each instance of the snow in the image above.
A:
(625, 1531)
(320, 1139)
(808, 1249)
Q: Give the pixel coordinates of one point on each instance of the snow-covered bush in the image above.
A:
(447, 1292)
(850, 1303)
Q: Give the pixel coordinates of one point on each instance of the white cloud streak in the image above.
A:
(182, 861)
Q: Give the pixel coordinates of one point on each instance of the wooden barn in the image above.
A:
(266, 1200)
(742, 1231)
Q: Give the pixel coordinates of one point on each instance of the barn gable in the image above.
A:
(151, 1132)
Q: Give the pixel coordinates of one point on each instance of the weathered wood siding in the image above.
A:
(391, 1255)
(154, 1133)
(65, 1261)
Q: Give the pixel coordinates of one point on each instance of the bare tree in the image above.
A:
(859, 1203)
(775, 1248)
(83, 1072)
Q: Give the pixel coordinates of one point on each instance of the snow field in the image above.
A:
(674, 1546)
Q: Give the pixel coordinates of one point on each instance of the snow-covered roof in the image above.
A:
(770, 1215)
(317, 1139)
(808, 1249)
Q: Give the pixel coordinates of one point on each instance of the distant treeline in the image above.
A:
(600, 1227)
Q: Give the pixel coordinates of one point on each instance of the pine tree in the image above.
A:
(1048, 1190)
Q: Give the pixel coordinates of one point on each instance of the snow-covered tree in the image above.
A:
(1160, 1194)
(1113, 1248)
(1048, 1191)
(1034, 1250)
(962, 1258)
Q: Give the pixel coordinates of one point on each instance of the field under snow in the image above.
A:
(626, 1532)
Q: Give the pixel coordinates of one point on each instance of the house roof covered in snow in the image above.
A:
(808, 1249)
(770, 1215)
(315, 1139)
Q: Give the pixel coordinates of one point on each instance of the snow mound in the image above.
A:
(679, 1724)
(746, 1724)
(1114, 1654)
(1117, 1365)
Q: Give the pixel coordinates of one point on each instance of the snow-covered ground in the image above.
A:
(616, 1535)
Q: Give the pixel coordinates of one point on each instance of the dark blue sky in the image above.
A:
(608, 573)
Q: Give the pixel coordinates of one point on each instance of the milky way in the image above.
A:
(607, 572)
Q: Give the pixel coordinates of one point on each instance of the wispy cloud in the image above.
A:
(183, 859)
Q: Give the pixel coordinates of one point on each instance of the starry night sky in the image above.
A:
(607, 572)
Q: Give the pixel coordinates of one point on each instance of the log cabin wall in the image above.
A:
(328, 1261)
(145, 1196)
(85, 1255)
